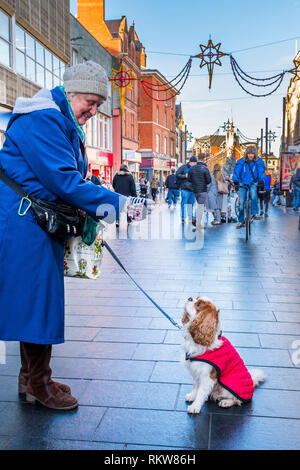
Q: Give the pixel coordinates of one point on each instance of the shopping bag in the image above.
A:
(82, 260)
(137, 208)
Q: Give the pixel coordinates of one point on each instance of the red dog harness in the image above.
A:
(232, 372)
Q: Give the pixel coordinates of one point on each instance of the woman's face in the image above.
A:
(251, 156)
(84, 106)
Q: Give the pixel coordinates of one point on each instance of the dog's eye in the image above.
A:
(198, 304)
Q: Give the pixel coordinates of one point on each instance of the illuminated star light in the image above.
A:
(121, 80)
(210, 56)
(296, 71)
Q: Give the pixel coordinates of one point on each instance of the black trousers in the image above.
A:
(264, 200)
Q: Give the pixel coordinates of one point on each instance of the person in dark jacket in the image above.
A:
(123, 183)
(187, 196)
(200, 178)
(172, 185)
(295, 187)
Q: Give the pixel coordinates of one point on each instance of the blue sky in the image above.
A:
(179, 27)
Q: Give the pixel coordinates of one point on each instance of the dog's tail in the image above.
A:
(258, 376)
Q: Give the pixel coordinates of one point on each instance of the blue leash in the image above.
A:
(104, 243)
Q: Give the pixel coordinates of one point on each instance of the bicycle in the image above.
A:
(247, 209)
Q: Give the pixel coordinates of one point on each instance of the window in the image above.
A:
(165, 145)
(132, 126)
(157, 115)
(165, 119)
(125, 123)
(36, 62)
(98, 132)
(5, 39)
(157, 143)
(75, 59)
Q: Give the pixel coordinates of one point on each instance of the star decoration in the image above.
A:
(210, 56)
(121, 80)
(296, 71)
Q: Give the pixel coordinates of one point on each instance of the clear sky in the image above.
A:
(178, 27)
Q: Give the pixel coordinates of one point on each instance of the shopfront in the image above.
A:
(132, 159)
(101, 163)
(155, 167)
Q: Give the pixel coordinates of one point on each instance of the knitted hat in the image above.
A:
(87, 77)
(193, 159)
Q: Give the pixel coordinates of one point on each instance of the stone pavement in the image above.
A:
(122, 357)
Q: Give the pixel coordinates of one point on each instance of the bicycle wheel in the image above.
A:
(236, 206)
(247, 220)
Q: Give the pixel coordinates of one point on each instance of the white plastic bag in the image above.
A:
(81, 260)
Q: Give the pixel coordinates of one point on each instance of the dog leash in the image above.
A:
(104, 243)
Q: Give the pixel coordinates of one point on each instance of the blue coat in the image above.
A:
(242, 173)
(42, 154)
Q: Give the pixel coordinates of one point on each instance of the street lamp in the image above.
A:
(271, 137)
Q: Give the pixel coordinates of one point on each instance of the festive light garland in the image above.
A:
(210, 56)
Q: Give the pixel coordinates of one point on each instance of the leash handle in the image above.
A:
(104, 243)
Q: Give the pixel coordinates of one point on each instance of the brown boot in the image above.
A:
(40, 387)
(24, 374)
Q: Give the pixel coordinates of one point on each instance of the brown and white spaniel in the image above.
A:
(218, 371)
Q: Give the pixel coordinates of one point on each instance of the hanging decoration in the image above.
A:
(170, 89)
(210, 56)
(122, 79)
(296, 70)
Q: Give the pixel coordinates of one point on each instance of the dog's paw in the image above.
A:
(225, 403)
(190, 397)
(194, 409)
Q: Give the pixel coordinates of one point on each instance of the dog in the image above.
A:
(218, 371)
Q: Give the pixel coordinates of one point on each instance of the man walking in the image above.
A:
(172, 185)
(200, 178)
(187, 195)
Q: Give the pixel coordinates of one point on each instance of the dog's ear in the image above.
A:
(185, 319)
(203, 328)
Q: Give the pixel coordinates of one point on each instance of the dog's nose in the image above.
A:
(190, 299)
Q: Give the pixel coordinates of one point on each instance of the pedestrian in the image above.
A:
(95, 177)
(200, 178)
(187, 196)
(154, 187)
(249, 170)
(217, 201)
(123, 183)
(144, 187)
(264, 193)
(173, 191)
(46, 139)
(278, 194)
(295, 187)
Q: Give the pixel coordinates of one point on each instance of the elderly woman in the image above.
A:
(216, 201)
(44, 153)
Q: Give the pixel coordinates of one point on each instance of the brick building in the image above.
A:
(123, 43)
(34, 47)
(157, 129)
(99, 129)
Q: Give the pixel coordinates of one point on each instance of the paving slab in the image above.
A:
(123, 358)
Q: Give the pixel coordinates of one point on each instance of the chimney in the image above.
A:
(90, 13)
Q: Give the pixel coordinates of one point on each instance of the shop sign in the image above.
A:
(290, 162)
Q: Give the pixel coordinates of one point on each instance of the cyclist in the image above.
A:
(249, 170)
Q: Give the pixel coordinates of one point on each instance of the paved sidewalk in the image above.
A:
(122, 357)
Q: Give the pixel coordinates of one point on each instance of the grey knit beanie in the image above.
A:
(87, 77)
